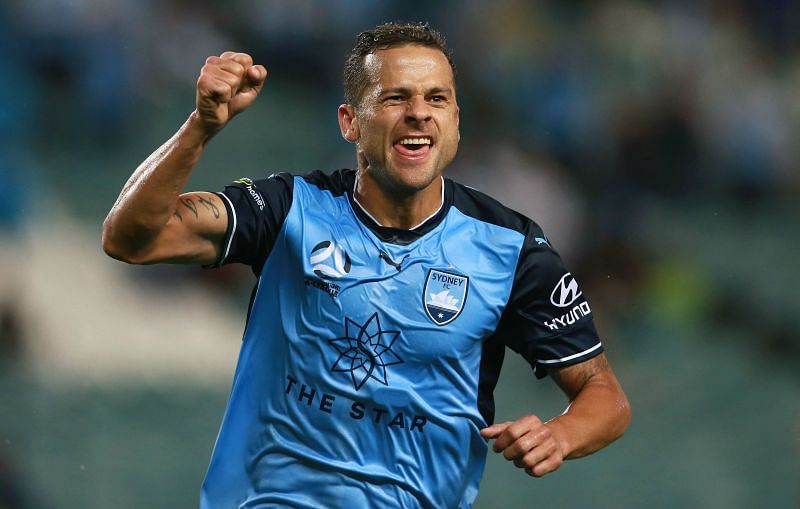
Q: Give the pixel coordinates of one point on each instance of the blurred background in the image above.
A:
(657, 143)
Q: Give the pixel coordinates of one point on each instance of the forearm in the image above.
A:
(598, 415)
(149, 197)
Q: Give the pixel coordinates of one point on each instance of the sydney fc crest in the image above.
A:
(444, 296)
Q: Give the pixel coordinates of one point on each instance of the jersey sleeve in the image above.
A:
(548, 321)
(256, 212)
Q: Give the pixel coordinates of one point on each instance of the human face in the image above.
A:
(406, 128)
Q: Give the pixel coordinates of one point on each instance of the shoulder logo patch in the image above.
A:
(444, 295)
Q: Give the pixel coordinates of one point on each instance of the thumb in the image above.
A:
(255, 77)
(250, 88)
(494, 430)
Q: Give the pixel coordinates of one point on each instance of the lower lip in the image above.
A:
(412, 155)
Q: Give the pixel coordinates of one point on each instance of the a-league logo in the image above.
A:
(329, 261)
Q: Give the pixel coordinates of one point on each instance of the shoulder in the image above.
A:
(338, 182)
(483, 207)
(280, 187)
(275, 186)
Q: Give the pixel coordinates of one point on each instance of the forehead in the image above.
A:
(409, 65)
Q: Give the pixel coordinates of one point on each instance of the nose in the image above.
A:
(418, 109)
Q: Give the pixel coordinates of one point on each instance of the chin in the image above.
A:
(412, 181)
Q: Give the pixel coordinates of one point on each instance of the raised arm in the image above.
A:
(151, 220)
(598, 413)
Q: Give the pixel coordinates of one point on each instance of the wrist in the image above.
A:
(197, 130)
(560, 435)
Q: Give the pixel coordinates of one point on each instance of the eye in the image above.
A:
(393, 98)
(438, 99)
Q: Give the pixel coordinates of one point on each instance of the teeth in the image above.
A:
(415, 141)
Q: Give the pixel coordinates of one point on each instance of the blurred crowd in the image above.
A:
(655, 142)
(605, 120)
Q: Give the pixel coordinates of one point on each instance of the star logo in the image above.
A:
(365, 351)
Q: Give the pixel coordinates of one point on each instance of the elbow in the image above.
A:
(624, 419)
(110, 247)
(115, 246)
(114, 250)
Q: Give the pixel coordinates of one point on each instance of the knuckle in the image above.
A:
(547, 466)
(543, 435)
(533, 419)
(531, 459)
(244, 58)
(541, 469)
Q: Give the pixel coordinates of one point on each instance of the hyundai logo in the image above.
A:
(565, 292)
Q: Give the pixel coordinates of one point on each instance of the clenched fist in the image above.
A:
(528, 442)
(228, 84)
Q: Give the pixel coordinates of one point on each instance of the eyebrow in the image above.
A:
(407, 91)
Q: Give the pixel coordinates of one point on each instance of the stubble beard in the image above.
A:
(395, 187)
(390, 179)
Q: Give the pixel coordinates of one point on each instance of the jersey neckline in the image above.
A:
(399, 236)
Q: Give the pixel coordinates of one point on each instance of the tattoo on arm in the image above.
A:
(178, 215)
(210, 205)
(189, 204)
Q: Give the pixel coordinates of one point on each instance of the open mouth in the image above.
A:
(414, 148)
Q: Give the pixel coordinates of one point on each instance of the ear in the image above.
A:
(348, 123)
(458, 110)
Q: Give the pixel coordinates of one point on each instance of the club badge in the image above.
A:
(444, 296)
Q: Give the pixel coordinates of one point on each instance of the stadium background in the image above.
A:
(656, 142)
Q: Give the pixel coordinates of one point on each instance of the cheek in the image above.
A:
(453, 134)
(374, 128)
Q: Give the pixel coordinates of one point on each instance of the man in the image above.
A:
(385, 299)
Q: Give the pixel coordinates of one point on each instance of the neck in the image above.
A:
(389, 209)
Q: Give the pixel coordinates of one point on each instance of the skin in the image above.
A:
(411, 93)
(151, 221)
(598, 413)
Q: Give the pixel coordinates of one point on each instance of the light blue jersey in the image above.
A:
(370, 354)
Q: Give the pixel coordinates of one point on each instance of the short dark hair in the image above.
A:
(388, 35)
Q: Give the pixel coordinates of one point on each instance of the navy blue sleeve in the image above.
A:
(549, 322)
(256, 211)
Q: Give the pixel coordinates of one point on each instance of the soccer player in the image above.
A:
(385, 299)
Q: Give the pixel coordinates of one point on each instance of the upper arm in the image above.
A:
(548, 319)
(572, 379)
(194, 233)
(238, 225)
